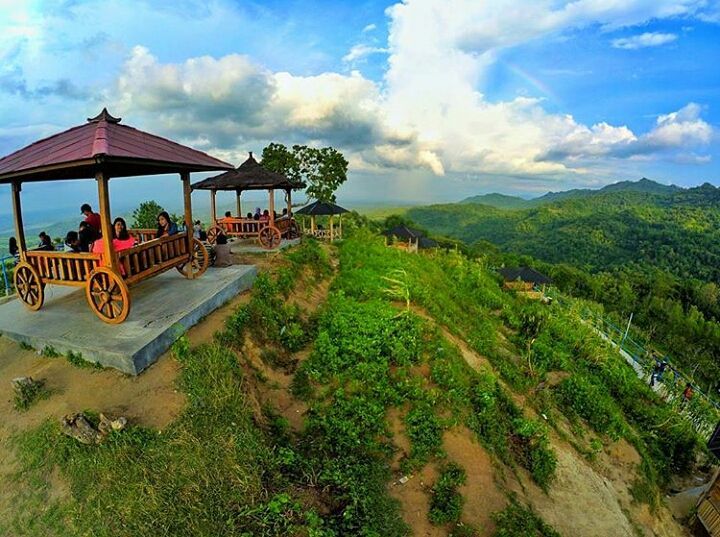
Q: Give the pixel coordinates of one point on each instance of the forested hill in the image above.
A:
(676, 230)
(644, 185)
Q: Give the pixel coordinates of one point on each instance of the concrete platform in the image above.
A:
(163, 308)
(249, 246)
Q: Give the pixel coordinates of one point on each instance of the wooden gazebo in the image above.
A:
(323, 208)
(103, 148)
(251, 175)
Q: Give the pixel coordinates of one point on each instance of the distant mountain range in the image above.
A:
(502, 201)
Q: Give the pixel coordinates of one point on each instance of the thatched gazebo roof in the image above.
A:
(320, 208)
(103, 144)
(525, 274)
(250, 175)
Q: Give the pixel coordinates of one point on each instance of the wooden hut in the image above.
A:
(102, 149)
(525, 280)
(324, 208)
(409, 239)
(251, 175)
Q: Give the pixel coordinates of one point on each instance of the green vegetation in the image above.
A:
(322, 169)
(446, 502)
(517, 520)
(27, 393)
(145, 216)
(429, 340)
(650, 250)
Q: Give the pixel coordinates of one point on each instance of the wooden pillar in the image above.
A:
(312, 224)
(331, 228)
(17, 212)
(213, 211)
(238, 193)
(271, 206)
(340, 217)
(109, 257)
(187, 198)
(289, 203)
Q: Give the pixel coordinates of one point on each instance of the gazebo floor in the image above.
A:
(251, 246)
(162, 309)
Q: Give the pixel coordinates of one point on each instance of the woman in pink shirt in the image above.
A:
(122, 240)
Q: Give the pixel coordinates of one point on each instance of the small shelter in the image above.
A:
(410, 239)
(251, 175)
(524, 280)
(323, 208)
(100, 149)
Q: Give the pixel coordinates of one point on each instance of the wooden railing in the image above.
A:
(65, 268)
(143, 235)
(152, 257)
(324, 234)
(241, 226)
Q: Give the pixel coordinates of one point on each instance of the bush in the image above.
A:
(446, 502)
(590, 402)
(516, 520)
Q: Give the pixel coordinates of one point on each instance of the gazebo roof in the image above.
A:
(404, 232)
(318, 208)
(525, 274)
(103, 144)
(250, 175)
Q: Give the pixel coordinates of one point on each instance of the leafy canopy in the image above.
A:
(323, 169)
(145, 216)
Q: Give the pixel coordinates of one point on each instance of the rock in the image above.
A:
(78, 427)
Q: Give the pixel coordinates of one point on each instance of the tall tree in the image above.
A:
(322, 169)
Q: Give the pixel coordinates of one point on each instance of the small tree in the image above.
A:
(324, 169)
(145, 216)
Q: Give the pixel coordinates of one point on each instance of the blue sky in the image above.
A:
(429, 100)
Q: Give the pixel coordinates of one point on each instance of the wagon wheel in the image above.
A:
(199, 262)
(28, 285)
(108, 295)
(293, 230)
(270, 237)
(213, 232)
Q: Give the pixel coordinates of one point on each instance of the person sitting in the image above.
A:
(166, 227)
(228, 214)
(93, 219)
(249, 216)
(86, 236)
(222, 251)
(122, 240)
(197, 229)
(265, 216)
(256, 216)
(45, 242)
(72, 242)
(284, 213)
(13, 247)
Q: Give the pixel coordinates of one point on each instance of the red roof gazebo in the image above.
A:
(100, 149)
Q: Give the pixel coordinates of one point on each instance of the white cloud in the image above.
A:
(648, 39)
(360, 51)
(369, 28)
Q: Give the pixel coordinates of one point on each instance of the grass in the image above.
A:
(374, 345)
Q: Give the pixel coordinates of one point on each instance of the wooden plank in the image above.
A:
(17, 214)
(109, 257)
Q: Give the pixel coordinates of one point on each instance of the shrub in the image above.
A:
(446, 502)
(588, 401)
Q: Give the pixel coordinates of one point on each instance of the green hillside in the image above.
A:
(389, 356)
(499, 201)
(654, 255)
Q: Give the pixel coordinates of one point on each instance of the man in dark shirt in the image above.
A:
(86, 236)
(45, 242)
(93, 219)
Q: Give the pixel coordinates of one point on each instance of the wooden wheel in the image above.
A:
(108, 295)
(270, 237)
(28, 286)
(199, 262)
(213, 232)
